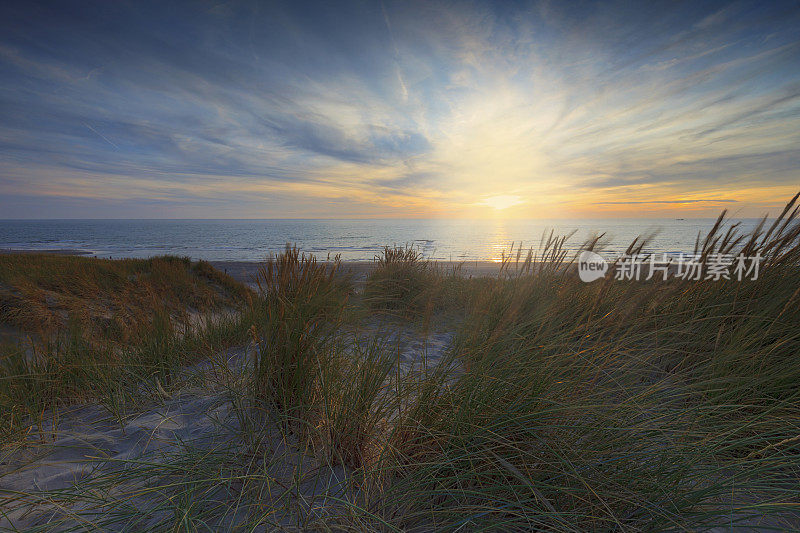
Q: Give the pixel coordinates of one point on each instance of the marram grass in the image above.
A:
(560, 406)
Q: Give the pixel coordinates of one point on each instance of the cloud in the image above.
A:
(422, 106)
(684, 201)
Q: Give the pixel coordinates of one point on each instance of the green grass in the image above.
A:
(563, 406)
(304, 303)
(403, 281)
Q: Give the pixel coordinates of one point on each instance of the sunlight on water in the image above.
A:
(500, 242)
(355, 240)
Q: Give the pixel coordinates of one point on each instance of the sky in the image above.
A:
(398, 109)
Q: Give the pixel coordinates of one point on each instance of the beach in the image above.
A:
(160, 391)
(436, 266)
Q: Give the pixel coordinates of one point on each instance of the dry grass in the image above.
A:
(82, 328)
(110, 300)
(614, 405)
(406, 285)
(562, 406)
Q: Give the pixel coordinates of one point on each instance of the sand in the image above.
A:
(86, 446)
(245, 271)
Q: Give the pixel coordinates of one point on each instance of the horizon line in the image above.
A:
(728, 217)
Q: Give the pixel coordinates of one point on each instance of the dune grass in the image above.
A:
(616, 405)
(40, 293)
(406, 286)
(561, 405)
(303, 302)
(81, 329)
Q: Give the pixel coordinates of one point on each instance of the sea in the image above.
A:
(352, 240)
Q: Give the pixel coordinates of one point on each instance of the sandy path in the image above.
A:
(88, 447)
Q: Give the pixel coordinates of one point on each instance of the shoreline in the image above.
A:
(244, 271)
(55, 251)
(359, 270)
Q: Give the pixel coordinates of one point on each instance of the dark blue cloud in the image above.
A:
(378, 95)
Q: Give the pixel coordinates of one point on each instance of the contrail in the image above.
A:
(396, 53)
(100, 135)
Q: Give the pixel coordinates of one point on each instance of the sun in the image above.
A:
(503, 201)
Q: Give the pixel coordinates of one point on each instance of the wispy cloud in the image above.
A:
(420, 109)
(684, 201)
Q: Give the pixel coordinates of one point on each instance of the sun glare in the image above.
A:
(502, 202)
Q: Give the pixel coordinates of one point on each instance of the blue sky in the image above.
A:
(371, 109)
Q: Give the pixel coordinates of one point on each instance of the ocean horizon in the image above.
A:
(352, 239)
